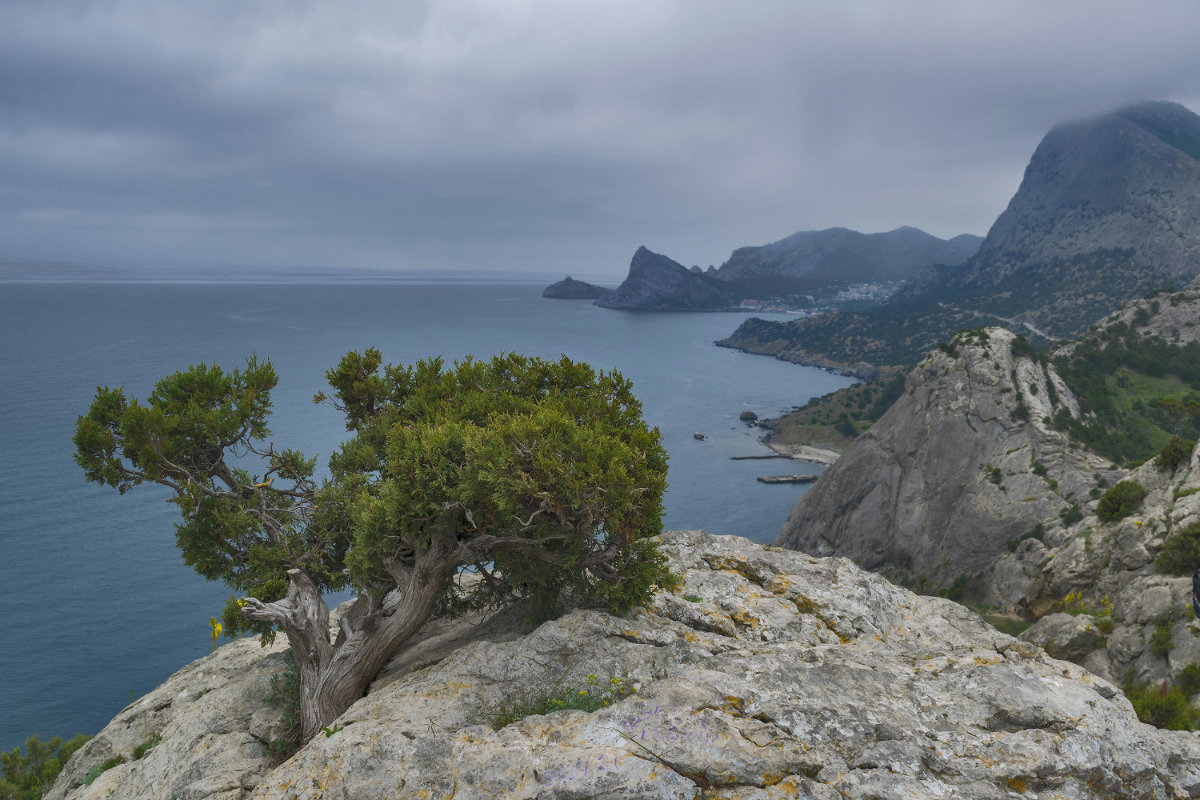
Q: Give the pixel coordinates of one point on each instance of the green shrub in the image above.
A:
(146, 746)
(100, 769)
(1162, 706)
(1071, 514)
(28, 775)
(1189, 679)
(1174, 454)
(593, 696)
(1121, 500)
(1160, 640)
(285, 694)
(846, 428)
(1180, 554)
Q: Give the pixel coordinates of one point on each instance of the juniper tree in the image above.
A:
(540, 477)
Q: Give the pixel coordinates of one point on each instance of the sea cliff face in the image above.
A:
(766, 674)
(656, 283)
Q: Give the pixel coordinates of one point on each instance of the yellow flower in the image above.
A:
(216, 630)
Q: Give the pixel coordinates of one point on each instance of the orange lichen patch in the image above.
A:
(688, 636)
(988, 662)
(734, 705)
(1016, 784)
(777, 584)
(745, 618)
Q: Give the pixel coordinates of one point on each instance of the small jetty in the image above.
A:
(787, 478)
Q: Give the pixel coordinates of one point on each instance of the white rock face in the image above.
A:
(952, 474)
(766, 674)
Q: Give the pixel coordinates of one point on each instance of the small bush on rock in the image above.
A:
(1162, 706)
(285, 694)
(1121, 500)
(1180, 554)
(1174, 454)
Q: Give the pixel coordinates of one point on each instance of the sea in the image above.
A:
(98, 606)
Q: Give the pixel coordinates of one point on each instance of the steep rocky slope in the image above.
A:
(1121, 180)
(939, 486)
(768, 674)
(656, 283)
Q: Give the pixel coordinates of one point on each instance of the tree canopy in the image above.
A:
(539, 477)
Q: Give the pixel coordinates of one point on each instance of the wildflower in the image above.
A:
(216, 631)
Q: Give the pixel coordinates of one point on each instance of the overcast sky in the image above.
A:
(549, 136)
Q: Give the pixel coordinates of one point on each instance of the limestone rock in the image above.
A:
(947, 481)
(214, 726)
(656, 283)
(766, 674)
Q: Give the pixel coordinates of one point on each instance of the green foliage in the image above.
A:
(1021, 348)
(1036, 532)
(592, 696)
(99, 769)
(285, 695)
(1180, 554)
(994, 474)
(956, 590)
(1162, 706)
(28, 775)
(1160, 640)
(1174, 454)
(1136, 393)
(1071, 514)
(1120, 501)
(196, 434)
(846, 428)
(1189, 679)
(146, 746)
(548, 463)
(545, 470)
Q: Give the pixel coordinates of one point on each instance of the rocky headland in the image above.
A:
(656, 283)
(765, 674)
(570, 289)
(1107, 211)
(806, 263)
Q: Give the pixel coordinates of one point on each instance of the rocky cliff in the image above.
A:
(966, 477)
(1123, 180)
(766, 674)
(964, 462)
(656, 283)
(842, 256)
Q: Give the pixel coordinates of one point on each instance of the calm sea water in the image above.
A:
(99, 606)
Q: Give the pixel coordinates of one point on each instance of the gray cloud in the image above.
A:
(541, 135)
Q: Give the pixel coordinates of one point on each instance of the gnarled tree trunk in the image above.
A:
(334, 676)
